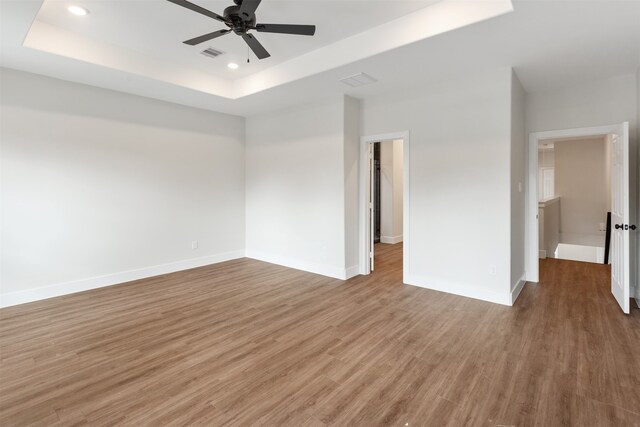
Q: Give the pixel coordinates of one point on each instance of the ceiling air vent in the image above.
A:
(211, 52)
(359, 79)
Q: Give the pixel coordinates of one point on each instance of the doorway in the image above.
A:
(618, 136)
(384, 199)
(574, 198)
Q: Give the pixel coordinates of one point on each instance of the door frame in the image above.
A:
(532, 273)
(364, 225)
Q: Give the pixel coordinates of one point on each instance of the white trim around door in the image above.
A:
(618, 188)
(531, 221)
(365, 249)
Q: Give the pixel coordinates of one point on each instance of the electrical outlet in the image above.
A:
(194, 245)
(493, 270)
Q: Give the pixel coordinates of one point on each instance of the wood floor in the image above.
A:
(248, 343)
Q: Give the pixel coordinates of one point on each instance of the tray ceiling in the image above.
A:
(144, 37)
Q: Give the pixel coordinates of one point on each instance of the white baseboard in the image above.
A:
(352, 271)
(391, 240)
(298, 264)
(542, 254)
(460, 289)
(516, 289)
(65, 288)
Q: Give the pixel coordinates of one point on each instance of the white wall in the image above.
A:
(602, 102)
(352, 133)
(100, 187)
(459, 188)
(582, 182)
(391, 172)
(295, 187)
(386, 190)
(518, 173)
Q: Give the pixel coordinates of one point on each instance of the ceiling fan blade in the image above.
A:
(255, 46)
(301, 30)
(249, 7)
(196, 8)
(197, 40)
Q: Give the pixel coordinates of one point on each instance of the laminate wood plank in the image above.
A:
(249, 343)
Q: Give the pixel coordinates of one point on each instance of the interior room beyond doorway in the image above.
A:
(387, 197)
(574, 197)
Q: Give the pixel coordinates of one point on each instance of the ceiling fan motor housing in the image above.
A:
(239, 22)
(240, 18)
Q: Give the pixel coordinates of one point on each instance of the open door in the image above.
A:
(620, 236)
(372, 216)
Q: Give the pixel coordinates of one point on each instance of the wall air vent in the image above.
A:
(360, 79)
(211, 52)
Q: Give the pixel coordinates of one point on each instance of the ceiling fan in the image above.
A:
(240, 19)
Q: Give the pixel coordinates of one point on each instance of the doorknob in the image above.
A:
(633, 227)
(619, 227)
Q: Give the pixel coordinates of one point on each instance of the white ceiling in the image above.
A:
(549, 43)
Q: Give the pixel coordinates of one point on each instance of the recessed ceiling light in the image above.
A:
(78, 11)
(232, 65)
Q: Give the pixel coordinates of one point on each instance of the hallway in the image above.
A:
(388, 261)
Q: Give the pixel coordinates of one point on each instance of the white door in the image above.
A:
(372, 218)
(546, 183)
(620, 235)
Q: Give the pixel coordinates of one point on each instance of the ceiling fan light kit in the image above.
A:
(240, 19)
